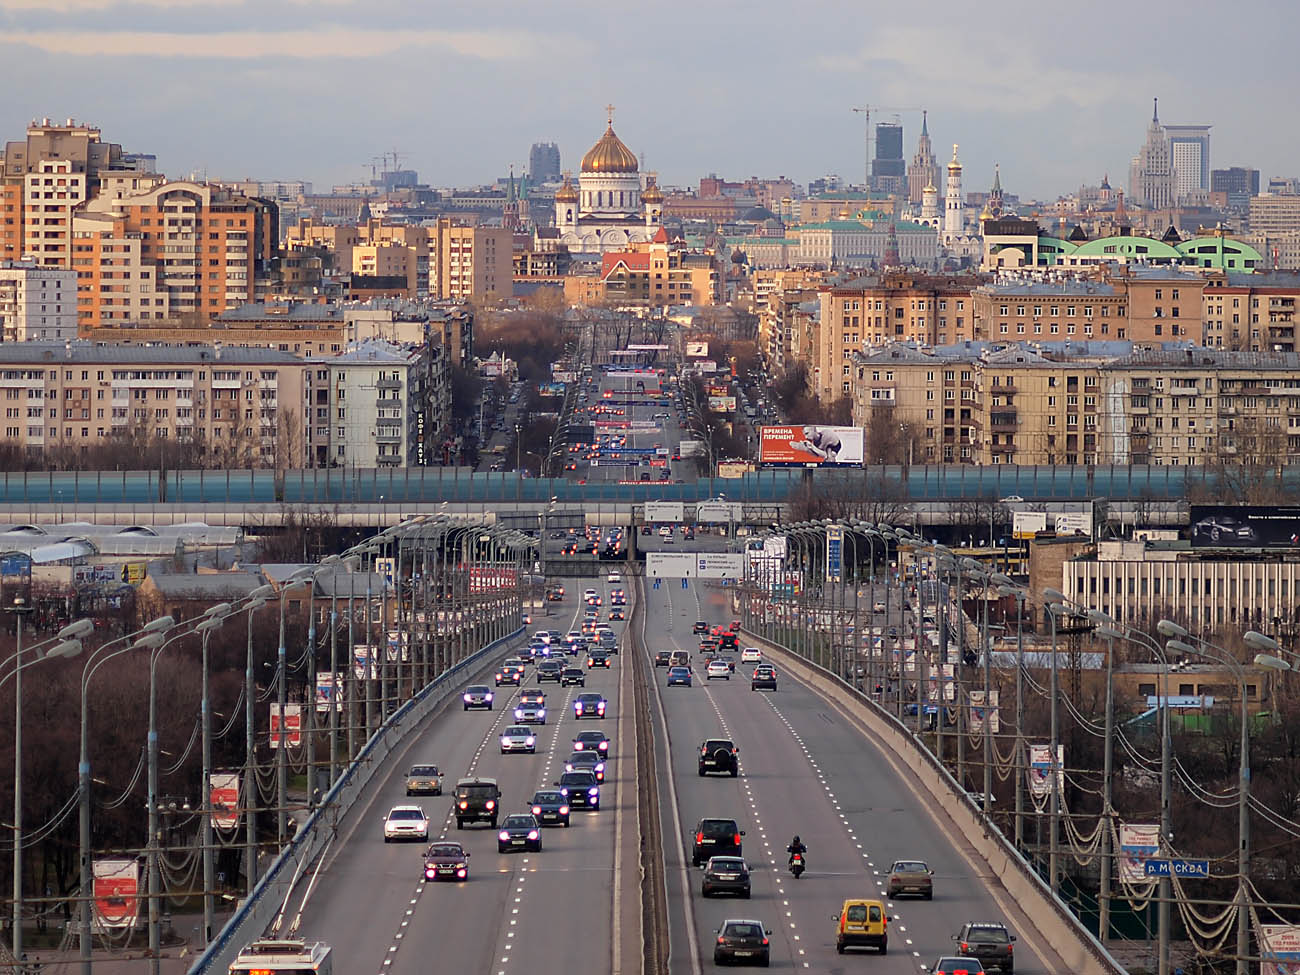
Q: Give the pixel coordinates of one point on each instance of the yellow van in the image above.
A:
(862, 924)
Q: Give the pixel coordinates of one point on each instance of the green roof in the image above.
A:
(1221, 253)
(1143, 248)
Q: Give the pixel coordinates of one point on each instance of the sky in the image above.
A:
(1057, 94)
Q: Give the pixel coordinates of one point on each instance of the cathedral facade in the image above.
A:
(609, 209)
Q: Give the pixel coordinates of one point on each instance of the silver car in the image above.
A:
(478, 696)
(406, 823)
(519, 738)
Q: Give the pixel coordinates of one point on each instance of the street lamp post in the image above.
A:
(214, 617)
(1020, 712)
(256, 600)
(282, 699)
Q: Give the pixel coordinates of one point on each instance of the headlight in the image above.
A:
(503, 836)
(593, 791)
(541, 712)
(468, 699)
(488, 696)
(537, 810)
(460, 872)
(564, 810)
(504, 741)
(519, 713)
(600, 766)
(491, 804)
(430, 873)
(564, 791)
(530, 740)
(532, 834)
(604, 745)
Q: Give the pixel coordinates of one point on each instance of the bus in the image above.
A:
(275, 957)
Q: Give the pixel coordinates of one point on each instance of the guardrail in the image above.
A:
(253, 916)
(1078, 947)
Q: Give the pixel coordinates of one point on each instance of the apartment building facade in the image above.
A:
(661, 274)
(1251, 312)
(37, 303)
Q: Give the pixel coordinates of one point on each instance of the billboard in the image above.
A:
(722, 404)
(719, 565)
(551, 389)
(360, 660)
(669, 565)
(692, 448)
(15, 579)
(1073, 522)
(1026, 524)
(223, 792)
(661, 511)
(329, 687)
(1279, 946)
(563, 375)
(1138, 843)
(1244, 526)
(1040, 770)
(292, 733)
(810, 446)
(697, 350)
(719, 389)
(116, 886)
(487, 578)
(734, 468)
(978, 711)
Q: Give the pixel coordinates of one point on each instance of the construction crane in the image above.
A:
(865, 111)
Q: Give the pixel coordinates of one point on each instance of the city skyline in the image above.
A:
(340, 75)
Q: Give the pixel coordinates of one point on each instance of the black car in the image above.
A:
(520, 832)
(719, 755)
(597, 658)
(591, 760)
(446, 861)
(580, 788)
(572, 676)
(742, 941)
(661, 657)
(617, 614)
(700, 627)
(596, 741)
(549, 670)
(764, 677)
(550, 807)
(716, 837)
(588, 706)
(1224, 530)
(725, 875)
(990, 942)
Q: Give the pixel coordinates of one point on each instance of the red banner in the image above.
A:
(292, 733)
(224, 796)
(117, 889)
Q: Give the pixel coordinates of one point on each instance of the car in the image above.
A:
(478, 696)
(509, 676)
(662, 657)
(742, 940)
(589, 595)
(679, 676)
(476, 799)
(591, 741)
(424, 780)
(878, 606)
(591, 760)
(597, 658)
(990, 942)
(555, 594)
(911, 877)
(956, 965)
(665, 531)
(572, 677)
(550, 807)
(764, 677)
(668, 539)
(1223, 530)
(580, 788)
(589, 706)
(542, 636)
(617, 614)
(573, 636)
(614, 578)
(725, 875)
(861, 924)
(716, 837)
(446, 861)
(406, 823)
(532, 710)
(550, 670)
(717, 668)
(719, 755)
(519, 738)
(751, 655)
(520, 831)
(526, 619)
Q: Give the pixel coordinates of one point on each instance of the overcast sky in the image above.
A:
(313, 89)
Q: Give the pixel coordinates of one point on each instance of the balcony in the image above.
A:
(389, 460)
(388, 434)
(1003, 448)
(388, 384)
(1184, 391)
(1004, 422)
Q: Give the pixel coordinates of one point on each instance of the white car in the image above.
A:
(665, 531)
(588, 595)
(718, 668)
(519, 738)
(879, 607)
(751, 655)
(614, 578)
(406, 823)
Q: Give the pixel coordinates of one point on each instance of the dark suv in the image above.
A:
(700, 627)
(716, 837)
(476, 800)
(719, 755)
(988, 941)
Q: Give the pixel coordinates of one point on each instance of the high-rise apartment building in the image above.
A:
(37, 303)
(544, 163)
(1189, 154)
(79, 145)
(471, 263)
(888, 170)
(1275, 215)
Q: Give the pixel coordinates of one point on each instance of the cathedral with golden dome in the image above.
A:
(609, 209)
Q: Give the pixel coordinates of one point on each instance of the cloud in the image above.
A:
(325, 42)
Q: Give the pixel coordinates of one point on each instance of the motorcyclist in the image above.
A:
(796, 846)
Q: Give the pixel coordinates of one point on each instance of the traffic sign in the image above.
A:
(656, 583)
(1180, 868)
(683, 583)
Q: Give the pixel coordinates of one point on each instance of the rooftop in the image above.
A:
(34, 353)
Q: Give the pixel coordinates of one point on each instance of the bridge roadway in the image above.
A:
(804, 770)
(519, 912)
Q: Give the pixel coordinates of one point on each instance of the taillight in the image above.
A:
(464, 805)
(721, 940)
(738, 839)
(699, 837)
(964, 947)
(491, 804)
(764, 941)
(704, 751)
(1010, 948)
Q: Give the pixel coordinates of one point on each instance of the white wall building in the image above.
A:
(50, 194)
(37, 303)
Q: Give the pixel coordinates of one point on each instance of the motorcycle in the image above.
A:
(796, 865)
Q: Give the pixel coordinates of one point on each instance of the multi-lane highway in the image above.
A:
(518, 912)
(803, 770)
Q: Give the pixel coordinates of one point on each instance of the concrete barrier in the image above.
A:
(255, 914)
(1077, 947)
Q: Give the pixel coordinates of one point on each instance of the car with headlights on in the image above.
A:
(719, 755)
(725, 875)
(550, 807)
(424, 780)
(590, 760)
(520, 831)
(406, 823)
(508, 675)
(519, 738)
(742, 941)
(591, 741)
(679, 677)
(478, 696)
(663, 658)
(597, 658)
(446, 861)
(717, 668)
(589, 706)
(911, 877)
(580, 788)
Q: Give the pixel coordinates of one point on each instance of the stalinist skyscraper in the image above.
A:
(924, 168)
(1151, 179)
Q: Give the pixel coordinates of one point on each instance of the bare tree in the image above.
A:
(865, 495)
(888, 440)
(1245, 464)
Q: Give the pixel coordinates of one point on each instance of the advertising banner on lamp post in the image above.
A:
(117, 889)
(835, 553)
(360, 660)
(292, 730)
(223, 792)
(1279, 947)
(329, 688)
(978, 710)
(1138, 843)
(1040, 769)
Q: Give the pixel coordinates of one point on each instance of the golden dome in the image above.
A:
(986, 213)
(609, 155)
(566, 193)
(652, 194)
